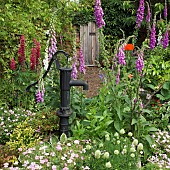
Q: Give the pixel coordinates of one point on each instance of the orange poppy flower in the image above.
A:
(129, 47)
(130, 76)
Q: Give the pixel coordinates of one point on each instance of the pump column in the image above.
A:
(64, 111)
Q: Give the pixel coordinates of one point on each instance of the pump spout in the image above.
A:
(79, 83)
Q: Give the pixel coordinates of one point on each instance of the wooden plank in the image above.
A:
(93, 50)
(86, 44)
(97, 44)
(89, 44)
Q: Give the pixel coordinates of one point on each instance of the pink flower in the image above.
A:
(37, 157)
(19, 149)
(42, 161)
(52, 153)
(6, 165)
(54, 167)
(69, 161)
(76, 142)
(65, 168)
(59, 148)
(141, 105)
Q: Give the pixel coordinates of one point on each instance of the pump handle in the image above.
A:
(49, 66)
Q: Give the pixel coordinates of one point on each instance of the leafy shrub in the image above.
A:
(23, 136)
(45, 121)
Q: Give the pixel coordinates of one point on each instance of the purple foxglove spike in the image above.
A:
(121, 56)
(74, 71)
(165, 42)
(153, 36)
(140, 62)
(140, 13)
(165, 10)
(98, 12)
(148, 17)
(81, 60)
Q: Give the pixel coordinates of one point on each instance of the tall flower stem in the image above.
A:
(135, 103)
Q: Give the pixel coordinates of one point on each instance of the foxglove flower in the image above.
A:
(153, 36)
(165, 10)
(121, 56)
(81, 60)
(140, 62)
(165, 39)
(98, 12)
(53, 44)
(13, 64)
(40, 93)
(148, 17)
(21, 51)
(140, 13)
(45, 61)
(33, 59)
(40, 96)
(74, 70)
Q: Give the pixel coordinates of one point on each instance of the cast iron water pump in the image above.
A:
(65, 85)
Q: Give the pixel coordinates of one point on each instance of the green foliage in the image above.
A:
(118, 13)
(13, 93)
(159, 114)
(85, 13)
(23, 136)
(157, 67)
(45, 121)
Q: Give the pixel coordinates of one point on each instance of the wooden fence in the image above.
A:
(89, 42)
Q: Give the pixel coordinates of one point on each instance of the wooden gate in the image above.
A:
(89, 42)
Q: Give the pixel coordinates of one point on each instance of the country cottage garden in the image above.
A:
(85, 85)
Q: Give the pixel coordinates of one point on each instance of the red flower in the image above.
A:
(21, 51)
(13, 64)
(33, 58)
(129, 47)
(38, 47)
